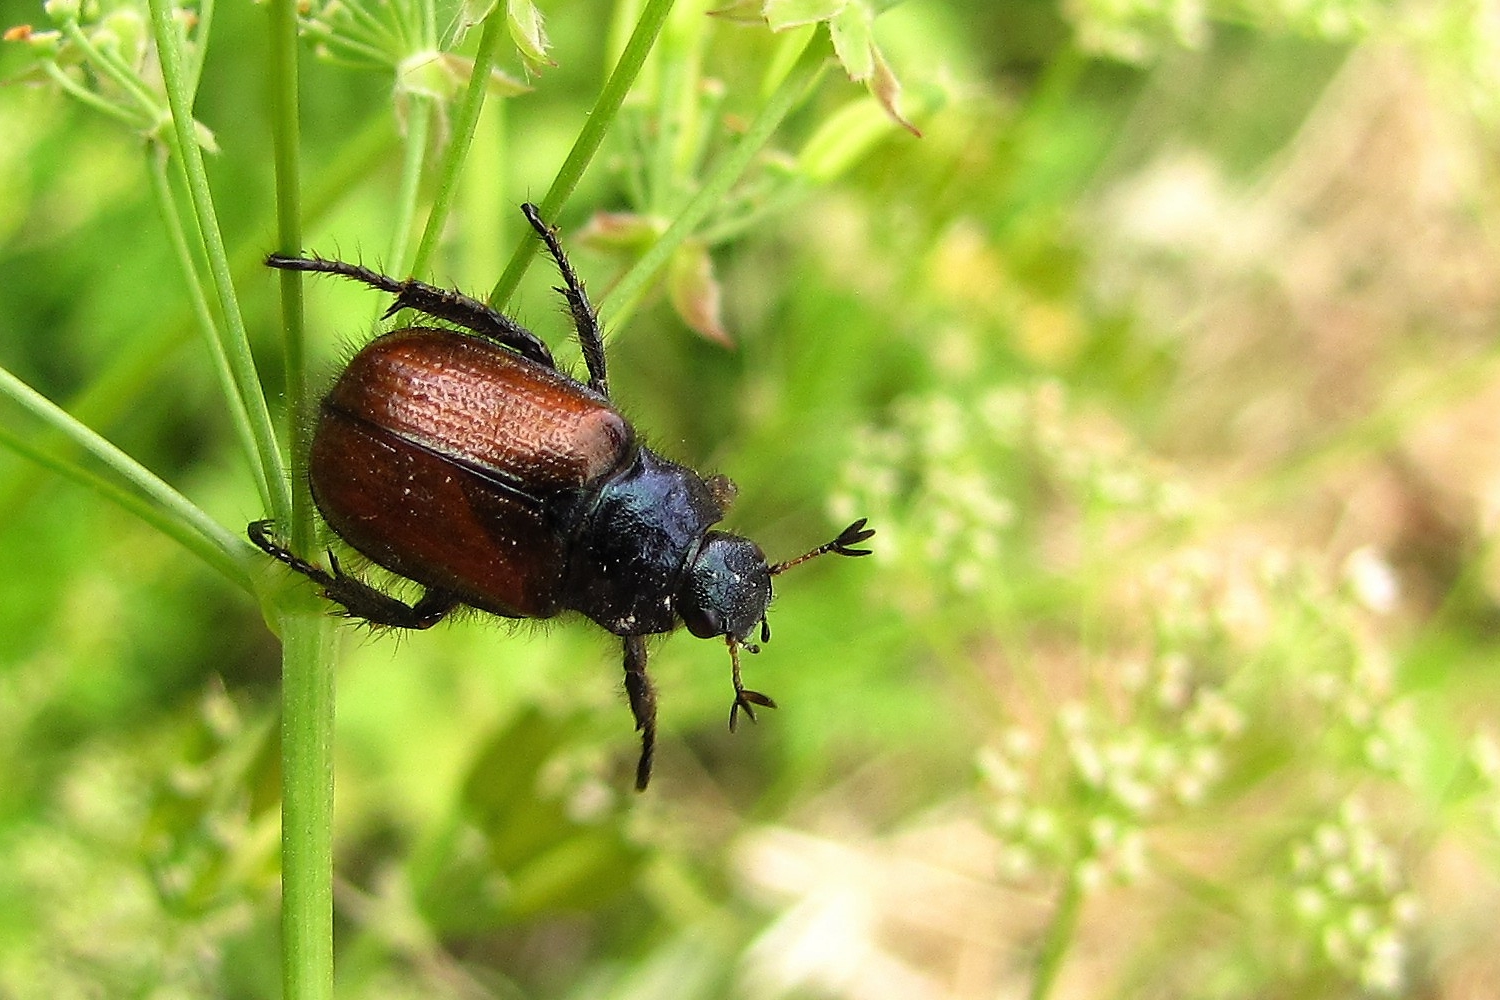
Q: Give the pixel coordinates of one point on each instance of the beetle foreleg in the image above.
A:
(439, 303)
(585, 320)
(358, 599)
(642, 705)
(743, 699)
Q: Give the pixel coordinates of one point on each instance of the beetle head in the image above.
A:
(728, 588)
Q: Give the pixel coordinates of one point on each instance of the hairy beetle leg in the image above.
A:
(642, 705)
(585, 319)
(439, 303)
(357, 598)
(743, 698)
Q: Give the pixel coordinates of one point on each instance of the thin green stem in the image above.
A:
(190, 521)
(374, 58)
(91, 99)
(463, 135)
(429, 24)
(589, 137)
(285, 143)
(623, 298)
(127, 373)
(482, 195)
(156, 169)
(123, 76)
(267, 458)
(202, 31)
(662, 180)
(232, 567)
(419, 114)
(1060, 933)
(379, 29)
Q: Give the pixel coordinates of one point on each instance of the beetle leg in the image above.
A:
(743, 699)
(585, 320)
(642, 705)
(440, 303)
(357, 598)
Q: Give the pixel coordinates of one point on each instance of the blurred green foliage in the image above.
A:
(1162, 362)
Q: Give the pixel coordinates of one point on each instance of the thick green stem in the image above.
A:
(589, 137)
(623, 298)
(267, 459)
(306, 633)
(307, 805)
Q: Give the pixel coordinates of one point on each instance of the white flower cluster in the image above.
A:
(1140, 30)
(1350, 899)
(1114, 777)
(938, 467)
(948, 480)
(1360, 693)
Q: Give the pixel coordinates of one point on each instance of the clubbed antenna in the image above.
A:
(852, 535)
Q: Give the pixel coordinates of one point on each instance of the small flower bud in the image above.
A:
(62, 11)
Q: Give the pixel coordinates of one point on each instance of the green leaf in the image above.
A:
(853, 41)
(429, 74)
(475, 11)
(526, 31)
(843, 140)
(741, 12)
(783, 14)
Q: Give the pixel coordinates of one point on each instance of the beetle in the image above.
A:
(465, 461)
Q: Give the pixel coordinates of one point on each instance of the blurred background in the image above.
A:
(1164, 362)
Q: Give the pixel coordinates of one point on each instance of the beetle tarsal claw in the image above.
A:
(744, 700)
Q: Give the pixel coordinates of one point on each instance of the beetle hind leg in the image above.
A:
(642, 706)
(357, 598)
(585, 319)
(440, 303)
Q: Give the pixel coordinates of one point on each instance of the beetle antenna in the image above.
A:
(850, 536)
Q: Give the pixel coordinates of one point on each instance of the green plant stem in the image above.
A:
(307, 649)
(1059, 935)
(418, 122)
(90, 99)
(589, 137)
(267, 459)
(189, 524)
(285, 145)
(203, 31)
(161, 187)
(123, 76)
(463, 135)
(307, 805)
(127, 373)
(230, 565)
(482, 194)
(623, 298)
